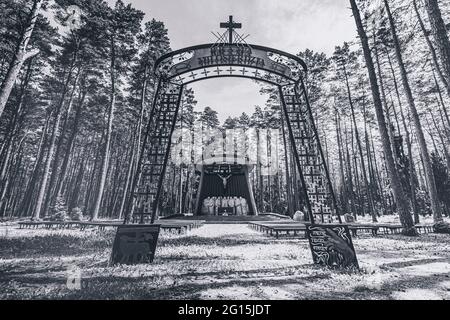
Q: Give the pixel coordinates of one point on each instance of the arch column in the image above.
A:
(310, 161)
(155, 149)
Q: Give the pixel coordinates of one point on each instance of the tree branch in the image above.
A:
(30, 54)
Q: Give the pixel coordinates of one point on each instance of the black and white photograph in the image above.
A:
(227, 151)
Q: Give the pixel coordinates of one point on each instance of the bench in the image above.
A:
(47, 224)
(390, 228)
(280, 230)
(277, 228)
(425, 228)
(260, 226)
(29, 224)
(371, 228)
(180, 226)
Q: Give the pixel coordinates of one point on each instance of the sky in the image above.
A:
(288, 25)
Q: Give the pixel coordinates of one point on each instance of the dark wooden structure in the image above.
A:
(238, 183)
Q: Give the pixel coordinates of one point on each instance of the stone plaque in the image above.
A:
(135, 244)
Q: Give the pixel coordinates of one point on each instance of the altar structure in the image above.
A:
(225, 187)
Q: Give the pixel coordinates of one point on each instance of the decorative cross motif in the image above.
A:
(205, 72)
(218, 71)
(230, 25)
(193, 75)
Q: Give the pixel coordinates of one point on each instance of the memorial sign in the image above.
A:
(135, 244)
(332, 246)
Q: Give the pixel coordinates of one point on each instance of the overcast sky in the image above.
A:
(288, 25)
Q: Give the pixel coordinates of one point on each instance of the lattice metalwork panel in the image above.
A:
(156, 149)
(311, 160)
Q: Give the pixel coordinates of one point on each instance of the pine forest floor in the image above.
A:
(218, 261)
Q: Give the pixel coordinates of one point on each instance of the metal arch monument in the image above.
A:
(231, 56)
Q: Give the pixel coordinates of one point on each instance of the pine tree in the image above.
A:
(122, 26)
(21, 54)
(59, 210)
(437, 212)
(399, 195)
(439, 32)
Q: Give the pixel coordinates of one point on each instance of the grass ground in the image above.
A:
(218, 262)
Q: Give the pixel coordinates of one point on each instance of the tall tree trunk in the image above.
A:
(439, 32)
(357, 187)
(20, 55)
(399, 195)
(430, 133)
(43, 186)
(116, 173)
(7, 196)
(92, 182)
(51, 194)
(107, 146)
(358, 142)
(187, 192)
(75, 194)
(28, 197)
(268, 157)
(435, 203)
(14, 124)
(378, 176)
(390, 126)
(180, 192)
(351, 189)
(441, 137)
(56, 124)
(129, 175)
(69, 146)
(431, 47)
(412, 171)
(344, 201)
(286, 162)
(127, 203)
(441, 99)
(11, 177)
(259, 171)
